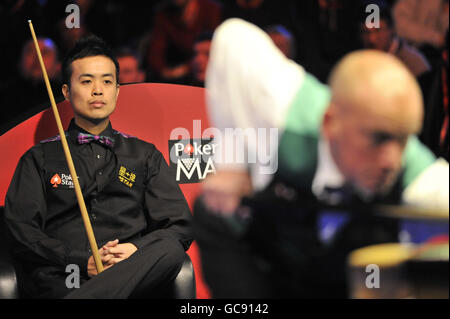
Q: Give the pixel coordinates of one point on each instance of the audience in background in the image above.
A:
(67, 38)
(27, 89)
(30, 69)
(262, 13)
(118, 22)
(385, 39)
(130, 70)
(177, 24)
(434, 86)
(14, 30)
(202, 47)
(171, 37)
(327, 31)
(283, 39)
(422, 22)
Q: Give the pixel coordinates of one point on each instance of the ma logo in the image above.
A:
(193, 159)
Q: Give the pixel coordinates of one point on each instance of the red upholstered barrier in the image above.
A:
(149, 111)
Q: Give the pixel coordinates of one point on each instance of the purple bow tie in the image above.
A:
(84, 138)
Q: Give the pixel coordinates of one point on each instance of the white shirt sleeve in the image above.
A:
(249, 85)
(431, 188)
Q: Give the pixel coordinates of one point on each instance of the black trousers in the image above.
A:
(148, 273)
(279, 255)
(229, 263)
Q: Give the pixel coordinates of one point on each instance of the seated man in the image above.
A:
(351, 142)
(138, 213)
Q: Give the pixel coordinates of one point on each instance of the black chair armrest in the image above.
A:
(8, 282)
(184, 285)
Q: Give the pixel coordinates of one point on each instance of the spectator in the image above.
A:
(176, 26)
(202, 47)
(263, 13)
(283, 39)
(130, 71)
(422, 22)
(119, 22)
(28, 89)
(434, 86)
(385, 39)
(29, 65)
(66, 37)
(15, 32)
(327, 31)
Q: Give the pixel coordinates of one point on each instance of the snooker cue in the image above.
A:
(79, 194)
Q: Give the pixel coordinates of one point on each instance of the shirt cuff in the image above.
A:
(80, 258)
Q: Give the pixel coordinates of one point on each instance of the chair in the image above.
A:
(150, 111)
(8, 279)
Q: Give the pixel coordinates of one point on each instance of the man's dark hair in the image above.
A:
(86, 47)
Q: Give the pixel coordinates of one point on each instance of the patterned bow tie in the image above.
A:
(84, 138)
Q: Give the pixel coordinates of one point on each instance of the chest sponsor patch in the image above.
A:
(61, 181)
(126, 176)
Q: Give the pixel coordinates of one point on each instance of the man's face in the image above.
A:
(200, 60)
(93, 88)
(129, 70)
(367, 146)
(377, 38)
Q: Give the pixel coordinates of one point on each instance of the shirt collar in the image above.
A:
(328, 176)
(74, 130)
(327, 173)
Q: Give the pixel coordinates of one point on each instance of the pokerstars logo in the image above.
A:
(55, 180)
(196, 148)
(192, 158)
(62, 181)
(188, 149)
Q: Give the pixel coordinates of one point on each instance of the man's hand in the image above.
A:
(110, 254)
(118, 252)
(223, 191)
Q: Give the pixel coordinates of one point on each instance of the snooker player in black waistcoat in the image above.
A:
(138, 213)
